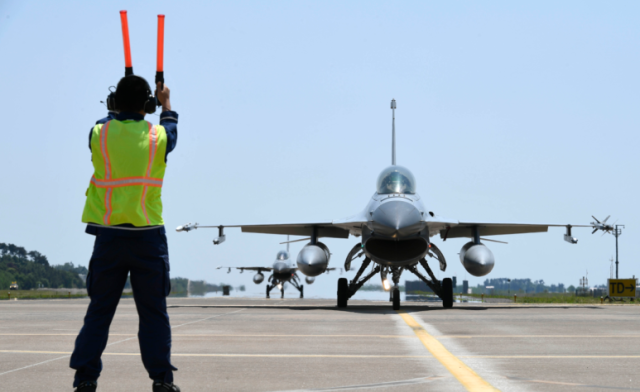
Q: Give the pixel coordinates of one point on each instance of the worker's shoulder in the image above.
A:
(110, 116)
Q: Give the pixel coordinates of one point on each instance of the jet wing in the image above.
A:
(332, 229)
(466, 229)
(259, 269)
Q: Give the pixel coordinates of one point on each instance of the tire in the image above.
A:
(267, 290)
(301, 291)
(396, 299)
(343, 292)
(447, 293)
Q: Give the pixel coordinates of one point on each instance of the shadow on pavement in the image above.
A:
(382, 308)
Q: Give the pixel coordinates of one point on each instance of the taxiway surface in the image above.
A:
(227, 344)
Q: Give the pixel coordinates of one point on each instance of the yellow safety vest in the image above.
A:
(128, 161)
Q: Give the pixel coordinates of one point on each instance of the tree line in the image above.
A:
(31, 269)
(197, 287)
(525, 286)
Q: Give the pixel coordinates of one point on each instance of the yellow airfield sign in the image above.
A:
(622, 287)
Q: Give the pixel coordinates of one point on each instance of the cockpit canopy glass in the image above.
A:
(282, 255)
(396, 179)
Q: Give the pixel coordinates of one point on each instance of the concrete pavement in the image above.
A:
(231, 344)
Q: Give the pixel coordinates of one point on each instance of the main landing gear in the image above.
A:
(443, 289)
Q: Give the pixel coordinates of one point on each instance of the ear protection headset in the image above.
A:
(111, 100)
(150, 104)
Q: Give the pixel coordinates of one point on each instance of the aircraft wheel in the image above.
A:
(447, 293)
(267, 291)
(301, 291)
(396, 299)
(343, 291)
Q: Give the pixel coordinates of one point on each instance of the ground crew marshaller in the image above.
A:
(124, 211)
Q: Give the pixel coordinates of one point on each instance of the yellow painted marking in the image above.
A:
(232, 355)
(467, 377)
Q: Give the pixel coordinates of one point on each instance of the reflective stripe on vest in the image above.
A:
(107, 168)
(128, 162)
(153, 147)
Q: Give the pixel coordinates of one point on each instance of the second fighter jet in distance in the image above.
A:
(395, 231)
(282, 271)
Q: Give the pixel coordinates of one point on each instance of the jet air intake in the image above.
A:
(477, 259)
(313, 259)
(258, 278)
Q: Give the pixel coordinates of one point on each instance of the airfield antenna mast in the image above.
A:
(617, 232)
(393, 132)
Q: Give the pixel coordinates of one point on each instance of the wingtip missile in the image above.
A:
(188, 227)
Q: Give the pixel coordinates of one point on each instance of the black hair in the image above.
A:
(132, 93)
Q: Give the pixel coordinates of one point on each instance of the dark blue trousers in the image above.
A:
(145, 257)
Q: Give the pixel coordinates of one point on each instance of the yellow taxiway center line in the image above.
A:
(463, 373)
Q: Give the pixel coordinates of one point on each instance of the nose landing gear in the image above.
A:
(396, 299)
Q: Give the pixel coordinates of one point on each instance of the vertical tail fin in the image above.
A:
(393, 131)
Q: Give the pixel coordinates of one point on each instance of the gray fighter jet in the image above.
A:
(283, 271)
(395, 231)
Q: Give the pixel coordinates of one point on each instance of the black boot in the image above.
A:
(161, 386)
(87, 386)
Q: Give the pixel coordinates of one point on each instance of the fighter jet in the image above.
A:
(395, 232)
(283, 271)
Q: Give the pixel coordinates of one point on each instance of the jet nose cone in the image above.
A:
(397, 218)
(280, 267)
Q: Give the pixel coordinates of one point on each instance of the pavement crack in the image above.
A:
(569, 384)
(413, 381)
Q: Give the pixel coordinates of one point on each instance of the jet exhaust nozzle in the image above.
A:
(313, 259)
(258, 278)
(477, 259)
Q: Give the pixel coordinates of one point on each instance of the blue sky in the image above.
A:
(507, 111)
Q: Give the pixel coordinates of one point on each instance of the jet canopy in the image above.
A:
(282, 255)
(396, 179)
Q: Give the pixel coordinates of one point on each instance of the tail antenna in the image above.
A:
(393, 132)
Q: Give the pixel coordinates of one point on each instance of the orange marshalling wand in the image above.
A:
(160, 63)
(128, 68)
(160, 43)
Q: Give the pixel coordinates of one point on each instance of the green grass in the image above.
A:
(550, 298)
(37, 294)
